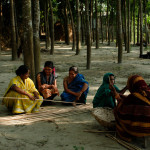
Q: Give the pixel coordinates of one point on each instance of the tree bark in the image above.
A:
(134, 22)
(141, 27)
(82, 25)
(108, 26)
(28, 37)
(91, 21)
(101, 19)
(128, 46)
(138, 22)
(52, 28)
(146, 33)
(36, 39)
(78, 29)
(67, 40)
(126, 29)
(73, 27)
(47, 25)
(13, 31)
(97, 27)
(119, 32)
(88, 35)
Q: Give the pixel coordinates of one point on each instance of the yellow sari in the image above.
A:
(20, 103)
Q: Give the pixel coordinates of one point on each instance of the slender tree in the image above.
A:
(67, 40)
(47, 24)
(52, 28)
(88, 35)
(108, 23)
(134, 22)
(91, 21)
(101, 20)
(78, 28)
(36, 39)
(128, 46)
(13, 31)
(119, 31)
(146, 33)
(141, 27)
(126, 29)
(97, 27)
(82, 24)
(138, 24)
(28, 37)
(72, 24)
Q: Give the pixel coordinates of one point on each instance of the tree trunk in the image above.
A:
(141, 27)
(91, 21)
(134, 22)
(72, 24)
(82, 25)
(126, 29)
(28, 37)
(13, 31)
(119, 32)
(0, 23)
(47, 25)
(138, 22)
(101, 19)
(108, 26)
(146, 33)
(131, 26)
(67, 40)
(97, 27)
(36, 39)
(112, 24)
(128, 49)
(52, 28)
(88, 35)
(78, 29)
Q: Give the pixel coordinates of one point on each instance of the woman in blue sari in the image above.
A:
(75, 87)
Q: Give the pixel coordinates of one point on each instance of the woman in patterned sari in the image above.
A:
(133, 112)
(75, 87)
(46, 82)
(21, 94)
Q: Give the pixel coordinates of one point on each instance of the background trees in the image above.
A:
(25, 22)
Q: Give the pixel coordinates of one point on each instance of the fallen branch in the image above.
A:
(125, 144)
(92, 131)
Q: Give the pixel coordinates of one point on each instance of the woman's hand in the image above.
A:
(78, 95)
(44, 86)
(31, 97)
(36, 95)
(55, 89)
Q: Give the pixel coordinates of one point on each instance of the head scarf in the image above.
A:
(136, 84)
(106, 80)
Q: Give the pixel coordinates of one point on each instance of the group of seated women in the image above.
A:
(22, 96)
(132, 112)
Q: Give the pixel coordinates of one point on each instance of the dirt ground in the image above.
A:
(59, 127)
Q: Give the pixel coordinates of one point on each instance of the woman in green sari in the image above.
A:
(104, 97)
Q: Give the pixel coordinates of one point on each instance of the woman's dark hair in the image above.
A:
(23, 69)
(73, 68)
(49, 64)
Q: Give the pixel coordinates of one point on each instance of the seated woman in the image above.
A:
(132, 113)
(21, 94)
(104, 97)
(75, 87)
(46, 82)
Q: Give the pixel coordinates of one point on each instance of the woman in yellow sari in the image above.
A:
(21, 94)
